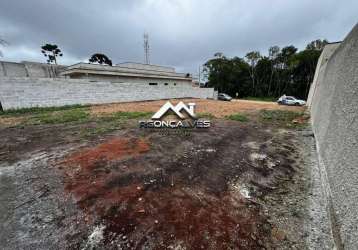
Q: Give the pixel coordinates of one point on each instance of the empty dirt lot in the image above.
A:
(89, 178)
(217, 108)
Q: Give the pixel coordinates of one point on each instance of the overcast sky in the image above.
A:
(182, 33)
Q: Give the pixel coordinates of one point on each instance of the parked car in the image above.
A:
(224, 97)
(290, 100)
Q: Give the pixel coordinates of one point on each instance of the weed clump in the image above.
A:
(238, 117)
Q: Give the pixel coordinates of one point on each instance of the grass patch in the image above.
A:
(279, 115)
(82, 115)
(124, 116)
(64, 116)
(131, 115)
(111, 122)
(206, 115)
(283, 117)
(68, 114)
(263, 99)
(238, 117)
(38, 110)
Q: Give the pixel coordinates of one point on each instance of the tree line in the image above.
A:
(284, 71)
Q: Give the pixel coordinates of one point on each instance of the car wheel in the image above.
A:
(297, 104)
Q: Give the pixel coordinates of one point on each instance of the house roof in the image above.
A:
(97, 69)
(151, 67)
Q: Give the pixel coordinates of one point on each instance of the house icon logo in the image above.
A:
(179, 112)
(180, 116)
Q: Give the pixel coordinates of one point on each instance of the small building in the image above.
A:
(128, 73)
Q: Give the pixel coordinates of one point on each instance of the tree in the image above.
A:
(3, 43)
(274, 51)
(51, 51)
(317, 44)
(100, 59)
(285, 64)
(219, 71)
(263, 71)
(219, 55)
(303, 71)
(252, 58)
(284, 56)
(230, 76)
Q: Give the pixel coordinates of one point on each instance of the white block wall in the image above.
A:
(44, 92)
(29, 69)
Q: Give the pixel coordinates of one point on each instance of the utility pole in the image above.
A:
(146, 48)
(199, 76)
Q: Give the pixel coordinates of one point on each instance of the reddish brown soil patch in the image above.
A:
(114, 149)
(87, 173)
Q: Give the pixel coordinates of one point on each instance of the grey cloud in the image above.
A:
(183, 33)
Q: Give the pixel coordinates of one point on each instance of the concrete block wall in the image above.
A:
(42, 69)
(2, 69)
(43, 92)
(13, 69)
(29, 69)
(334, 117)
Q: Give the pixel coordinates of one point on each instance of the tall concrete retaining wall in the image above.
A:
(327, 52)
(43, 92)
(334, 117)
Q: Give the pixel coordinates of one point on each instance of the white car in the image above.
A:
(290, 100)
(224, 97)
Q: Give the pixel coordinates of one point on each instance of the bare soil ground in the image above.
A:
(217, 108)
(237, 185)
